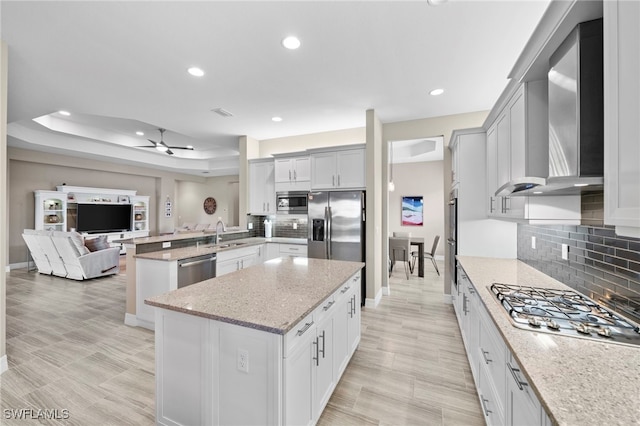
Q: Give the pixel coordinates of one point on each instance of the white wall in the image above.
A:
(317, 140)
(420, 179)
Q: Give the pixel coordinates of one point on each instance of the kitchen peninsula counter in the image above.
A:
(577, 381)
(262, 345)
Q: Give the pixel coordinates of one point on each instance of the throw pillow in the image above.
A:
(96, 244)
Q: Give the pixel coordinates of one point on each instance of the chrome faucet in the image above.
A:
(220, 228)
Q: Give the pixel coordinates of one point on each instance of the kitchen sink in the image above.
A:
(227, 245)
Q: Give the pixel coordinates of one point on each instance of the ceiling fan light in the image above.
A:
(162, 148)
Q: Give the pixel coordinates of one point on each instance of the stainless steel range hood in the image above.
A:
(576, 119)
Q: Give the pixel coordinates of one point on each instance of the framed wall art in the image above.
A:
(412, 208)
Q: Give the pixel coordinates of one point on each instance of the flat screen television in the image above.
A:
(97, 218)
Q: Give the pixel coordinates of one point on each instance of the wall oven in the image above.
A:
(291, 202)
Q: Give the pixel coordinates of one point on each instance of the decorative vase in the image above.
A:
(53, 218)
(138, 216)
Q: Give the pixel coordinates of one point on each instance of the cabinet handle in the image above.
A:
(295, 175)
(491, 201)
(305, 328)
(289, 174)
(317, 357)
(338, 180)
(351, 308)
(471, 290)
(263, 206)
(344, 290)
(484, 406)
(464, 304)
(268, 206)
(323, 340)
(514, 373)
(484, 355)
(328, 305)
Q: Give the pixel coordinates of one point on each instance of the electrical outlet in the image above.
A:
(533, 242)
(243, 360)
(565, 251)
(295, 225)
(250, 225)
(166, 244)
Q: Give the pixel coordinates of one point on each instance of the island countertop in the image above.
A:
(272, 297)
(578, 381)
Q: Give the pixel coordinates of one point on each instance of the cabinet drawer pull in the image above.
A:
(317, 357)
(471, 290)
(514, 373)
(328, 305)
(484, 355)
(305, 328)
(484, 406)
(321, 350)
(344, 290)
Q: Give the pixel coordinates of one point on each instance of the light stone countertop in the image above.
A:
(272, 297)
(194, 251)
(578, 381)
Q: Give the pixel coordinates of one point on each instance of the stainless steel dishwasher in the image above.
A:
(196, 269)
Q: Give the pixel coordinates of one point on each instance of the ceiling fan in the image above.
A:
(163, 147)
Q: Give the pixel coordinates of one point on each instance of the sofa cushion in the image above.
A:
(76, 239)
(96, 244)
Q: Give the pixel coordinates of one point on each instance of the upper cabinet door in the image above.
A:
(351, 169)
(323, 170)
(283, 170)
(621, 116)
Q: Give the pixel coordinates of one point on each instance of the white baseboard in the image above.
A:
(386, 291)
(372, 303)
(133, 321)
(446, 298)
(4, 365)
(7, 268)
(21, 265)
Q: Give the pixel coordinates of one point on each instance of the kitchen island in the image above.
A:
(576, 381)
(263, 345)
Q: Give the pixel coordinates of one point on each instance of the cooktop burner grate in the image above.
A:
(564, 312)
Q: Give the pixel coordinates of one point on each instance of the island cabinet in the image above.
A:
(621, 27)
(216, 365)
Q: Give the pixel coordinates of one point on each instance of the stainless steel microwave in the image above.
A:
(291, 202)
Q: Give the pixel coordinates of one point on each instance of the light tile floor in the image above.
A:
(69, 349)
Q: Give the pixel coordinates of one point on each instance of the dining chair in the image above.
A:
(414, 255)
(400, 249)
(405, 235)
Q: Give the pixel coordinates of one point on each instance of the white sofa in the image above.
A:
(68, 257)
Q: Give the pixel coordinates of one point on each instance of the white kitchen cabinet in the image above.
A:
(272, 251)
(293, 250)
(340, 169)
(347, 323)
(621, 116)
(50, 210)
(505, 396)
(299, 371)
(292, 173)
(262, 193)
(325, 379)
(235, 259)
(523, 407)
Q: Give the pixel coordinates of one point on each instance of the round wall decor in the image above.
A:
(210, 205)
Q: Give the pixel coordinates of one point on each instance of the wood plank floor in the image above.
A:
(69, 349)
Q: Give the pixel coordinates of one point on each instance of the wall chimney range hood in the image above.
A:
(576, 118)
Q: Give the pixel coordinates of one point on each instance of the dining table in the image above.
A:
(419, 241)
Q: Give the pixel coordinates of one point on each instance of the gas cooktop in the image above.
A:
(564, 312)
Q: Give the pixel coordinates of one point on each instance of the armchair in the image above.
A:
(30, 237)
(82, 264)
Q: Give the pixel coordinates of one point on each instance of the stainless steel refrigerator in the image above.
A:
(337, 226)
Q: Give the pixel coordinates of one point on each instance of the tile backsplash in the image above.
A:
(601, 265)
(282, 226)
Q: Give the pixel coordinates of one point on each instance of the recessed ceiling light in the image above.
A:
(436, 92)
(291, 42)
(139, 133)
(65, 113)
(276, 119)
(537, 192)
(436, 2)
(195, 71)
